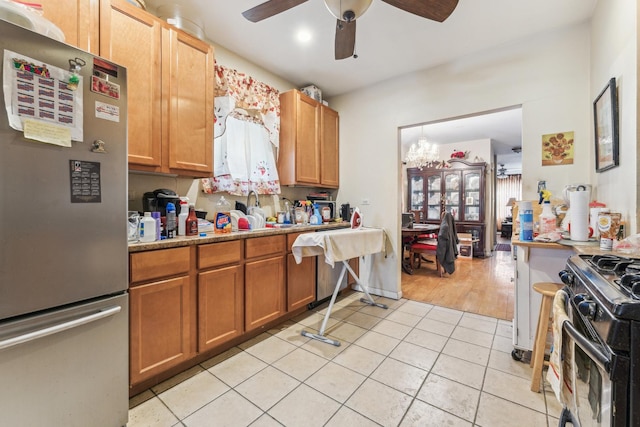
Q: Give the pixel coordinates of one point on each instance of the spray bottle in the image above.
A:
(547, 218)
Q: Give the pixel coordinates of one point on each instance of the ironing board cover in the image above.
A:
(339, 245)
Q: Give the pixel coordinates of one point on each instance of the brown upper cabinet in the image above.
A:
(170, 81)
(78, 20)
(309, 142)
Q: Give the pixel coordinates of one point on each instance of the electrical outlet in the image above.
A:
(365, 202)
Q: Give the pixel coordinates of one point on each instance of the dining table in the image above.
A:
(410, 234)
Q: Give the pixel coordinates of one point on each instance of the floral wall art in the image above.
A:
(557, 149)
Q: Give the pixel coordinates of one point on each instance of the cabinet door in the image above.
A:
(188, 84)
(434, 196)
(264, 291)
(329, 166)
(416, 192)
(451, 194)
(301, 282)
(354, 263)
(472, 196)
(131, 37)
(220, 306)
(308, 140)
(160, 319)
(78, 20)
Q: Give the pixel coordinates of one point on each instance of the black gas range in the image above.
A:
(604, 312)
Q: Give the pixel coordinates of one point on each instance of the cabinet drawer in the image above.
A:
(262, 246)
(291, 237)
(216, 254)
(155, 264)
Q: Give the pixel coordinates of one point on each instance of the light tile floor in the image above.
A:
(414, 364)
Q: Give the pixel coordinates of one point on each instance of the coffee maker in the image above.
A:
(156, 201)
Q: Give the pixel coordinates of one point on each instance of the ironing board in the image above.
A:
(340, 246)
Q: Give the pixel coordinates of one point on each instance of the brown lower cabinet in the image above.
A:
(160, 312)
(301, 278)
(190, 303)
(220, 293)
(264, 280)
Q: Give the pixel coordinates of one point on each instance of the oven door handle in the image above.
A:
(587, 346)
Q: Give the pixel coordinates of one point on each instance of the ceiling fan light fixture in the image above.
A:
(347, 10)
(502, 172)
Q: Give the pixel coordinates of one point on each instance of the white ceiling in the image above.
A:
(504, 128)
(389, 43)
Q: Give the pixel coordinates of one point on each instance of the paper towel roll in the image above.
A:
(579, 202)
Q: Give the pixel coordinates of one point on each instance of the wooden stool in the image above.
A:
(548, 291)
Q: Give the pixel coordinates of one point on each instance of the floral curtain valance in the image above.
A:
(248, 92)
(247, 128)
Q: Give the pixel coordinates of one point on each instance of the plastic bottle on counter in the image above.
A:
(156, 216)
(526, 221)
(191, 224)
(171, 221)
(182, 218)
(222, 221)
(316, 218)
(148, 228)
(547, 219)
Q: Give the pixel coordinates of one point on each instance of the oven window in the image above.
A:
(588, 390)
(592, 387)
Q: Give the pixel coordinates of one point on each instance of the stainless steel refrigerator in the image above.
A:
(63, 245)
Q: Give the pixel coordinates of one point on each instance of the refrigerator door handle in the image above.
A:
(54, 329)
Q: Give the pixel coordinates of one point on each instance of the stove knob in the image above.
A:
(587, 309)
(566, 277)
(579, 298)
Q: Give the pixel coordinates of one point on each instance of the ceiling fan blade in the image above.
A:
(269, 9)
(345, 38)
(436, 10)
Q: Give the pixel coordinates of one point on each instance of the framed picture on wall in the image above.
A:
(605, 119)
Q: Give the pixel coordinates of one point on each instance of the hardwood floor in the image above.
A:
(482, 286)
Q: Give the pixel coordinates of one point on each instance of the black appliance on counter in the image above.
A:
(156, 201)
(345, 212)
(603, 307)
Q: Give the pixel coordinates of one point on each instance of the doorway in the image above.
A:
(482, 285)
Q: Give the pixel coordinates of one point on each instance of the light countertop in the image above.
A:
(214, 238)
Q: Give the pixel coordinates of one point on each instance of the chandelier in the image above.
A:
(422, 153)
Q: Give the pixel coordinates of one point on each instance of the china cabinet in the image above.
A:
(459, 189)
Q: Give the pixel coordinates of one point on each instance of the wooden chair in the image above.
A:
(420, 247)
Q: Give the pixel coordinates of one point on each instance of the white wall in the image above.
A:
(548, 75)
(614, 54)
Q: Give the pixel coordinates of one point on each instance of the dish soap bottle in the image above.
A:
(222, 222)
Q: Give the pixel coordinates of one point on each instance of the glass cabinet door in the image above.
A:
(416, 193)
(472, 196)
(434, 190)
(452, 194)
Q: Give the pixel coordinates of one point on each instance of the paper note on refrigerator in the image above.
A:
(47, 132)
